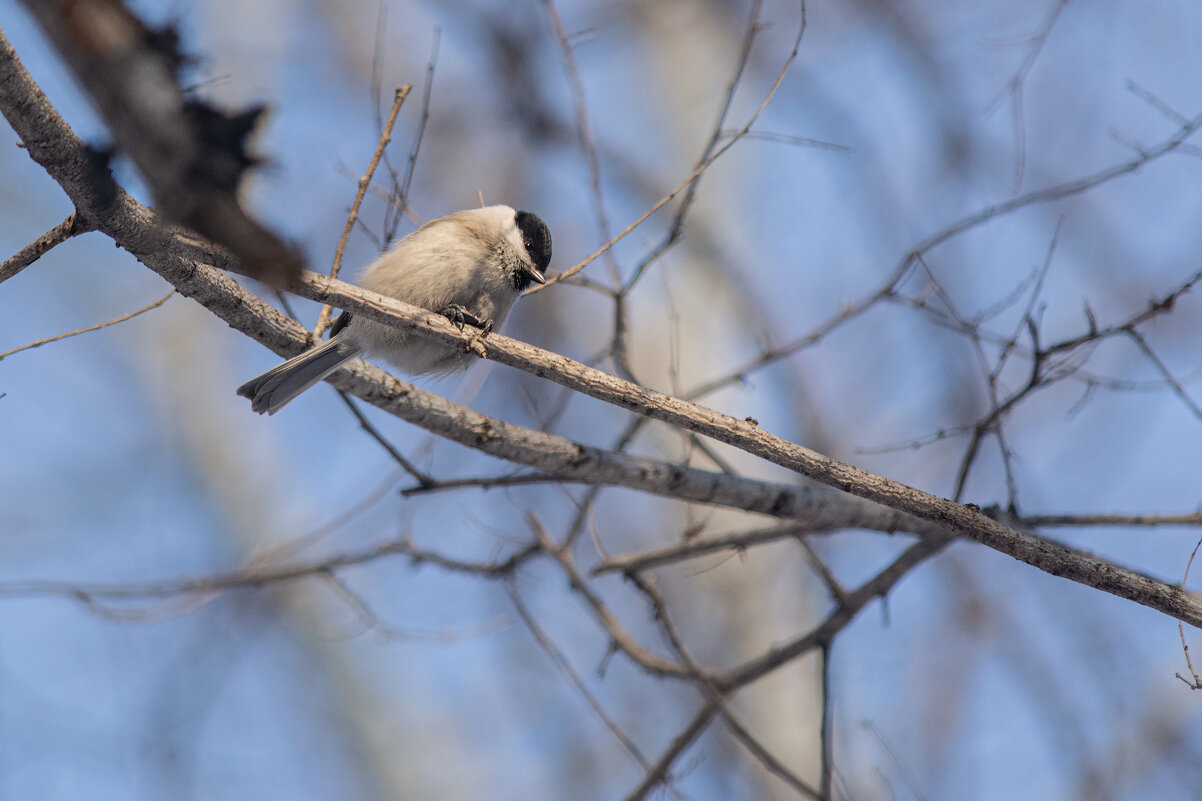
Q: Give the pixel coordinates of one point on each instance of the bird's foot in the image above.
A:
(460, 316)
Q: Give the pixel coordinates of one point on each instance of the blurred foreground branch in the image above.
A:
(192, 154)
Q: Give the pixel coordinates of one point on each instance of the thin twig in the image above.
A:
(716, 696)
(1014, 88)
(584, 131)
(1163, 369)
(1044, 368)
(278, 552)
(561, 661)
(824, 633)
(38, 343)
(652, 663)
(833, 586)
(399, 202)
(1155, 102)
(259, 577)
(766, 758)
(585, 507)
(741, 540)
(377, 63)
(716, 134)
(372, 622)
(995, 374)
(791, 139)
(423, 479)
(827, 727)
(323, 319)
(660, 771)
(697, 171)
(1197, 683)
(487, 482)
(907, 773)
(71, 226)
(769, 356)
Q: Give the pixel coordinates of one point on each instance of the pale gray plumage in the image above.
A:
(470, 264)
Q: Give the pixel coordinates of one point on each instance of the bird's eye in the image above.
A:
(530, 244)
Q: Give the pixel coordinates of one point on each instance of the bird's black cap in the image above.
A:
(537, 238)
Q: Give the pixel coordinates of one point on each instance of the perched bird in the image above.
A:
(469, 266)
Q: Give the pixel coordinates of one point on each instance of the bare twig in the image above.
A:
(1014, 88)
(633, 563)
(656, 665)
(561, 661)
(259, 577)
(833, 585)
(791, 139)
(697, 171)
(1062, 190)
(323, 319)
(824, 633)
(72, 226)
(423, 479)
(486, 483)
(911, 780)
(1197, 683)
(583, 130)
(400, 198)
(38, 343)
(705, 683)
(1163, 369)
(716, 134)
(826, 733)
(766, 758)
(1157, 103)
(771, 355)
(276, 553)
(660, 772)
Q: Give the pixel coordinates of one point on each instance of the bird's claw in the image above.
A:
(460, 316)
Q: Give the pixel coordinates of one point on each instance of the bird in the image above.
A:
(469, 266)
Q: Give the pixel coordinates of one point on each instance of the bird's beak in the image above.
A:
(535, 275)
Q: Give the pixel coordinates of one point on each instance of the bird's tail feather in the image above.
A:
(274, 389)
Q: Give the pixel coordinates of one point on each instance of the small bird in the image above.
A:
(469, 266)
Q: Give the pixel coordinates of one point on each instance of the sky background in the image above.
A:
(129, 459)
